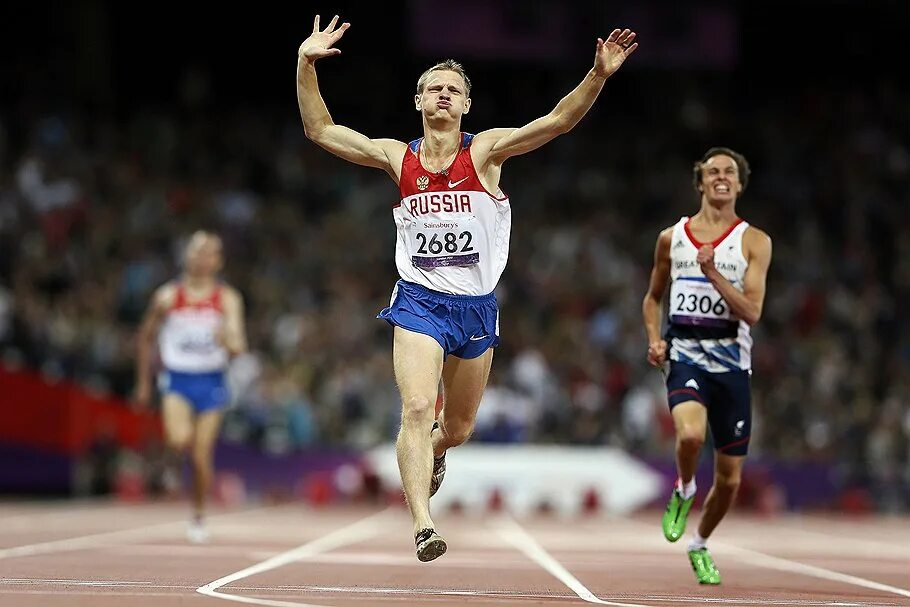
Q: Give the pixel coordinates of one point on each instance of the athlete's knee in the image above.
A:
(458, 431)
(727, 482)
(417, 409)
(691, 438)
(179, 441)
(202, 458)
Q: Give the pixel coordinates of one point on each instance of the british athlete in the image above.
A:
(717, 265)
(453, 225)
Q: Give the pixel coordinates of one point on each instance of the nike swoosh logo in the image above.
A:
(474, 338)
(452, 185)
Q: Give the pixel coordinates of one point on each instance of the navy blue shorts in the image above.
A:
(465, 326)
(204, 391)
(726, 396)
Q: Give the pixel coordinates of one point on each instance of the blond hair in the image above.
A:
(449, 65)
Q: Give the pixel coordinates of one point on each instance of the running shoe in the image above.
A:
(703, 566)
(430, 545)
(674, 519)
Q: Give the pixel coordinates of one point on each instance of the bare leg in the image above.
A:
(691, 420)
(177, 415)
(727, 474)
(464, 381)
(418, 366)
(207, 426)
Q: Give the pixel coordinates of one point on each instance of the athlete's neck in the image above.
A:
(439, 147)
(714, 214)
(199, 283)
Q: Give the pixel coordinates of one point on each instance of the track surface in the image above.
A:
(114, 555)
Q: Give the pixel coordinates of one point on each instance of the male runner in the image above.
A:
(717, 265)
(201, 327)
(453, 224)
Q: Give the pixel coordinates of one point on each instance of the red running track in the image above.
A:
(114, 555)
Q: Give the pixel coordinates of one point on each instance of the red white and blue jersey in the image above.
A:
(703, 331)
(453, 235)
(187, 340)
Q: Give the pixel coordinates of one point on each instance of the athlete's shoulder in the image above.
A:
(754, 231)
(230, 293)
(165, 295)
(757, 236)
(666, 235)
(756, 244)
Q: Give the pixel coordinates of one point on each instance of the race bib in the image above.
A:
(437, 244)
(202, 342)
(696, 302)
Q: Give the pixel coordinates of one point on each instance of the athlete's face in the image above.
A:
(444, 96)
(720, 179)
(203, 256)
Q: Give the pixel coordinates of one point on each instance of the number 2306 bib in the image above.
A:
(697, 302)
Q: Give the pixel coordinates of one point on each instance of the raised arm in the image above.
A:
(385, 154)
(496, 145)
(651, 307)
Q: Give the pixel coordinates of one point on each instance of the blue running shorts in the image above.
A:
(465, 326)
(204, 391)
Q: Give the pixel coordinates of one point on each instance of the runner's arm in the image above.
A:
(233, 337)
(651, 306)
(385, 154)
(748, 303)
(146, 340)
(505, 143)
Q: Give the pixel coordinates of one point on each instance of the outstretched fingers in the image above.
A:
(336, 36)
(331, 26)
(316, 24)
(625, 39)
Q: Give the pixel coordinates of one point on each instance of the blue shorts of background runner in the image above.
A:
(465, 326)
(204, 391)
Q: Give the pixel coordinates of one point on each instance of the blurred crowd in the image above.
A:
(94, 213)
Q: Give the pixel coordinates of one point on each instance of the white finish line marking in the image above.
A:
(351, 534)
(772, 562)
(515, 534)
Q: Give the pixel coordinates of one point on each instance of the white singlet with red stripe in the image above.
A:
(703, 330)
(187, 339)
(453, 235)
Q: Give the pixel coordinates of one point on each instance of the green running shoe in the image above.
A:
(703, 566)
(674, 520)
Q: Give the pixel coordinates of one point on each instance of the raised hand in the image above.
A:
(320, 43)
(610, 54)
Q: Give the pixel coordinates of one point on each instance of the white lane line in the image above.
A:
(762, 602)
(41, 582)
(156, 588)
(868, 547)
(515, 534)
(101, 539)
(85, 541)
(772, 562)
(767, 561)
(356, 532)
